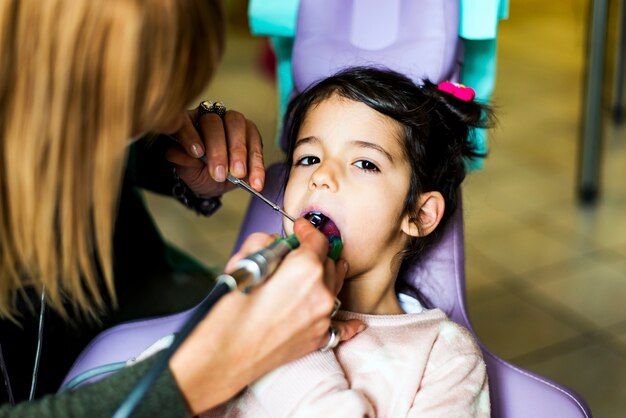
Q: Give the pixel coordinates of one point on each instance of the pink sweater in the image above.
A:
(412, 365)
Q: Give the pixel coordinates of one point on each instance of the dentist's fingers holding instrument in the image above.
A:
(213, 132)
(229, 143)
(245, 149)
(187, 153)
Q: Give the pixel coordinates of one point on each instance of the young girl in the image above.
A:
(382, 158)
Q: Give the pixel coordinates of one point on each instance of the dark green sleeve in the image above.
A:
(102, 398)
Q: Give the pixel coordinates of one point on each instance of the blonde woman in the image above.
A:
(78, 80)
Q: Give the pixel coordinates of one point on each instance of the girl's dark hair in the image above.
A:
(437, 128)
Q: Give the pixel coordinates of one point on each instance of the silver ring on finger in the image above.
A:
(207, 106)
(333, 339)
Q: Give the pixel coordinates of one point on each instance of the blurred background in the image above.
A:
(546, 276)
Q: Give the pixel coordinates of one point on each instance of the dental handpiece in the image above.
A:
(255, 268)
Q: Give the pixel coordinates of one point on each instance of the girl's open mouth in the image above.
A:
(323, 223)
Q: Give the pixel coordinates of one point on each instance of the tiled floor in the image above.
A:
(546, 278)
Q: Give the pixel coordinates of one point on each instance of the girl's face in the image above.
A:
(349, 164)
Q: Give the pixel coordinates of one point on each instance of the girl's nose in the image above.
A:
(325, 177)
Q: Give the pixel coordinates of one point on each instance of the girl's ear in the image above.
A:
(430, 207)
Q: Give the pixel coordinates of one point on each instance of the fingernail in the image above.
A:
(361, 328)
(240, 170)
(220, 173)
(196, 150)
(258, 184)
(344, 265)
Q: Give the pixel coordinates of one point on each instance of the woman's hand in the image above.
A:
(246, 336)
(309, 298)
(232, 144)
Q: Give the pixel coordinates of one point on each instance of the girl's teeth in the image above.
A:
(317, 219)
(323, 223)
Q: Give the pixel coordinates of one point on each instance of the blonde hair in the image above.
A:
(78, 78)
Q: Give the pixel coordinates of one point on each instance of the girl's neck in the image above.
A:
(372, 292)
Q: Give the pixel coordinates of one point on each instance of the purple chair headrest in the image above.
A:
(397, 34)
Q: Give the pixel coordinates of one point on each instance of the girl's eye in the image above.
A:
(366, 165)
(308, 160)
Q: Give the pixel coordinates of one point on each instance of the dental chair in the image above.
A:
(330, 35)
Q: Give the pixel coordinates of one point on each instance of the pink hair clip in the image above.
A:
(460, 91)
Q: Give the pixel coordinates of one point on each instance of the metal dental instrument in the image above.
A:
(244, 185)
